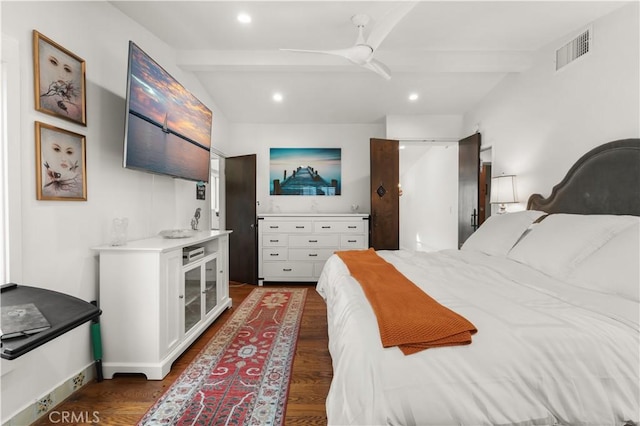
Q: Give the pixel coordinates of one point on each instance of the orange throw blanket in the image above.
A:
(407, 316)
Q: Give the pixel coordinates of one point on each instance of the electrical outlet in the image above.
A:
(44, 404)
(78, 381)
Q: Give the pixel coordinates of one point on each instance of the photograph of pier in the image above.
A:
(305, 171)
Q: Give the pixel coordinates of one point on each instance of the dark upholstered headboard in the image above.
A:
(606, 180)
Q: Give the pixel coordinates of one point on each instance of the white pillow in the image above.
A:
(500, 232)
(561, 241)
(614, 268)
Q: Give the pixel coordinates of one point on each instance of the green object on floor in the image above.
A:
(96, 342)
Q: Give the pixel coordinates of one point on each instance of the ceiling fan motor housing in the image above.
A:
(360, 54)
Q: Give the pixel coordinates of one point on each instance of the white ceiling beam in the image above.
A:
(398, 61)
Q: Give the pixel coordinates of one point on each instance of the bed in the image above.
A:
(553, 294)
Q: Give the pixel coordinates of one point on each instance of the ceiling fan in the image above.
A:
(363, 51)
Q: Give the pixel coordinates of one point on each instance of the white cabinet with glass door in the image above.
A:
(200, 290)
(156, 299)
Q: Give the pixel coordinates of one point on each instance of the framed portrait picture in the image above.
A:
(61, 172)
(59, 78)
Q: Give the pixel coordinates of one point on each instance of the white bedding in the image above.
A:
(545, 353)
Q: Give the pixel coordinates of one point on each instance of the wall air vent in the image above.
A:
(576, 48)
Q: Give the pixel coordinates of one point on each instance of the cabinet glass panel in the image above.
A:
(192, 297)
(211, 285)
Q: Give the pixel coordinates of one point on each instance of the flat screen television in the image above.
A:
(167, 129)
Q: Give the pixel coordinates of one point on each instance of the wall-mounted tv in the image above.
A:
(167, 129)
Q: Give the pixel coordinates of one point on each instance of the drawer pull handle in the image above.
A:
(313, 254)
(352, 241)
(274, 241)
(313, 241)
(352, 227)
(274, 227)
(274, 254)
(326, 227)
(286, 269)
(300, 227)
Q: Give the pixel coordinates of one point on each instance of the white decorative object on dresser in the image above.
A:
(294, 247)
(157, 296)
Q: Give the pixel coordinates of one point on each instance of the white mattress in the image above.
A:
(545, 352)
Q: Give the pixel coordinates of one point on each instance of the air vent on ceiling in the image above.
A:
(576, 48)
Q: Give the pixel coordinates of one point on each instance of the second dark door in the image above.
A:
(468, 186)
(385, 196)
(241, 218)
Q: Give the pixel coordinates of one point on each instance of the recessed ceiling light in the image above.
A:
(244, 18)
(413, 97)
(277, 97)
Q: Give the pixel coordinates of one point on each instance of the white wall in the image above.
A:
(541, 121)
(429, 178)
(438, 127)
(429, 203)
(353, 139)
(52, 247)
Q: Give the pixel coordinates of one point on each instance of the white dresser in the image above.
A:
(294, 247)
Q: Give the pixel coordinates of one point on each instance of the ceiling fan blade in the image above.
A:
(382, 28)
(338, 52)
(379, 68)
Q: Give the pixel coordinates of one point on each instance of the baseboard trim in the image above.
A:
(47, 403)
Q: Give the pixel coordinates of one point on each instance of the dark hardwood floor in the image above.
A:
(124, 399)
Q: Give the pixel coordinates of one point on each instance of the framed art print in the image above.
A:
(61, 172)
(305, 171)
(59, 78)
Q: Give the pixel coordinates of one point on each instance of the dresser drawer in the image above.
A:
(275, 240)
(310, 254)
(287, 270)
(339, 227)
(286, 227)
(276, 253)
(314, 240)
(352, 242)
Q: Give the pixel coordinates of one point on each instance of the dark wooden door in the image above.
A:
(385, 197)
(468, 186)
(485, 191)
(241, 218)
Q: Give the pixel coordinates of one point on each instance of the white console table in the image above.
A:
(155, 302)
(295, 247)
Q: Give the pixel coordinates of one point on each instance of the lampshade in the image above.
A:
(503, 189)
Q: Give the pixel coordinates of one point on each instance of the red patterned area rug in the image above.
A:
(242, 376)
